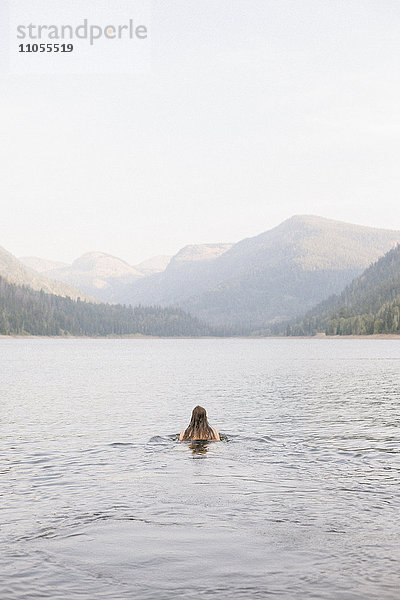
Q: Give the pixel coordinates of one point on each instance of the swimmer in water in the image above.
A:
(199, 428)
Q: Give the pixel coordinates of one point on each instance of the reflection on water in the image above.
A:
(100, 500)
(199, 447)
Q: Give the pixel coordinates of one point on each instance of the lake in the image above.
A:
(300, 500)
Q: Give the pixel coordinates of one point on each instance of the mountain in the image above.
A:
(199, 252)
(24, 311)
(188, 272)
(271, 277)
(15, 272)
(370, 304)
(41, 265)
(153, 265)
(99, 274)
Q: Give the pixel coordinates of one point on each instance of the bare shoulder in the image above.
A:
(217, 438)
(182, 433)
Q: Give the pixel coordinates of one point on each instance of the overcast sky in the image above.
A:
(252, 111)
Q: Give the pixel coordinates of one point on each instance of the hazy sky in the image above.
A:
(252, 111)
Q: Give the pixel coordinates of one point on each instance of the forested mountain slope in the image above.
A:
(271, 277)
(24, 311)
(370, 304)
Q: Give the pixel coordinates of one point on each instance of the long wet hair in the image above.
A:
(199, 427)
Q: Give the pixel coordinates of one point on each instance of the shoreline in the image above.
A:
(137, 336)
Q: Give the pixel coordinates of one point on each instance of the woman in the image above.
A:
(199, 428)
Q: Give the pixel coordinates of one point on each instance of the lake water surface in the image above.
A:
(99, 501)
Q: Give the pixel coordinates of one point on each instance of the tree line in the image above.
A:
(369, 305)
(24, 311)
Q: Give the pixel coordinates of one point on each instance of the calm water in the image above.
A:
(99, 501)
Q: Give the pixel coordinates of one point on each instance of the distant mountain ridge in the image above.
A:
(153, 265)
(244, 287)
(188, 272)
(197, 252)
(41, 265)
(99, 274)
(108, 277)
(271, 277)
(15, 272)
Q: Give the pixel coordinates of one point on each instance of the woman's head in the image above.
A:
(199, 414)
(199, 428)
